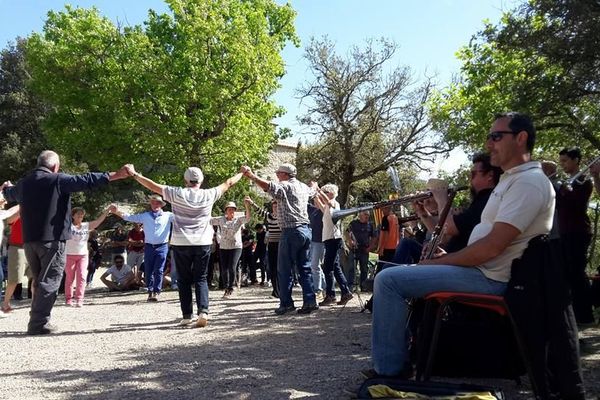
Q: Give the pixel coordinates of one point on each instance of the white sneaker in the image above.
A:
(202, 320)
(186, 321)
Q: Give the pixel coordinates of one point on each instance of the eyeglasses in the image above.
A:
(497, 136)
(475, 171)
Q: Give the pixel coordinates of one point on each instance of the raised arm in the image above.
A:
(145, 182)
(225, 186)
(260, 182)
(96, 223)
(12, 214)
(259, 210)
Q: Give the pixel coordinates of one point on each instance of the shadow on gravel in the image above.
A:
(246, 354)
(269, 357)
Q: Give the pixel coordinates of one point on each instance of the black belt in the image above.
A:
(156, 245)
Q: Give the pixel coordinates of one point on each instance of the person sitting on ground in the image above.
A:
(122, 278)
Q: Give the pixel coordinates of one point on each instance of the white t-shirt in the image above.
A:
(523, 198)
(331, 230)
(192, 212)
(118, 275)
(77, 245)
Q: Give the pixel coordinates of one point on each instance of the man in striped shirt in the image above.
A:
(294, 248)
(192, 235)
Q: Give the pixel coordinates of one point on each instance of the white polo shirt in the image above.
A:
(523, 198)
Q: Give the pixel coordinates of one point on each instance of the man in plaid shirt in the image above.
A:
(294, 247)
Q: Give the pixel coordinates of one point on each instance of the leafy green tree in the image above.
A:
(188, 87)
(21, 115)
(365, 119)
(542, 59)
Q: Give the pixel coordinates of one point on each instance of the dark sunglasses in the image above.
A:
(497, 136)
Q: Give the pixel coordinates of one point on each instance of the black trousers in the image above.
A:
(192, 267)
(47, 264)
(574, 248)
(229, 259)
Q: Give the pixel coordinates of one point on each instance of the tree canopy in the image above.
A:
(363, 117)
(188, 87)
(21, 115)
(541, 59)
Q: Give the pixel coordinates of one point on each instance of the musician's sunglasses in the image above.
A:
(497, 136)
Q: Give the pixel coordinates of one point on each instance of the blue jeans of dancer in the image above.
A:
(192, 267)
(317, 251)
(155, 257)
(393, 286)
(332, 268)
(173, 272)
(407, 252)
(294, 249)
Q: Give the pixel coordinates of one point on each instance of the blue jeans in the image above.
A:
(294, 249)
(317, 250)
(407, 252)
(155, 257)
(331, 267)
(192, 267)
(393, 286)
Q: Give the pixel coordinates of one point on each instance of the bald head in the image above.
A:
(48, 159)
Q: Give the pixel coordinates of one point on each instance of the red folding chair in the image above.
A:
(489, 302)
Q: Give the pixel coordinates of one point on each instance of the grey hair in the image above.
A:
(48, 159)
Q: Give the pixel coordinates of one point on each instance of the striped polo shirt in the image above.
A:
(272, 225)
(192, 210)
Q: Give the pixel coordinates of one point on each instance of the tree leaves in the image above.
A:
(189, 87)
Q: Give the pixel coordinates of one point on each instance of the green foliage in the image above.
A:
(365, 118)
(21, 114)
(541, 59)
(190, 87)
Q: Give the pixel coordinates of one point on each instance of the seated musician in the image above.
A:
(484, 177)
(519, 209)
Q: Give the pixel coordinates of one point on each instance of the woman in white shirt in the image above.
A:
(77, 253)
(332, 239)
(230, 241)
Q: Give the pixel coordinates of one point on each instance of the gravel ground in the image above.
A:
(119, 346)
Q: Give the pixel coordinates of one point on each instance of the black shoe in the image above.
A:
(406, 373)
(44, 330)
(284, 310)
(307, 309)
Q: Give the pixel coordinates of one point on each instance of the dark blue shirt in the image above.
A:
(45, 200)
(315, 217)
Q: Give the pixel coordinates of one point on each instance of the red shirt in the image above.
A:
(16, 233)
(136, 235)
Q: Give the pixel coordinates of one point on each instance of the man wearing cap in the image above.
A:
(192, 235)
(45, 199)
(157, 226)
(294, 247)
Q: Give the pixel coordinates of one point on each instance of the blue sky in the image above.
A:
(428, 32)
